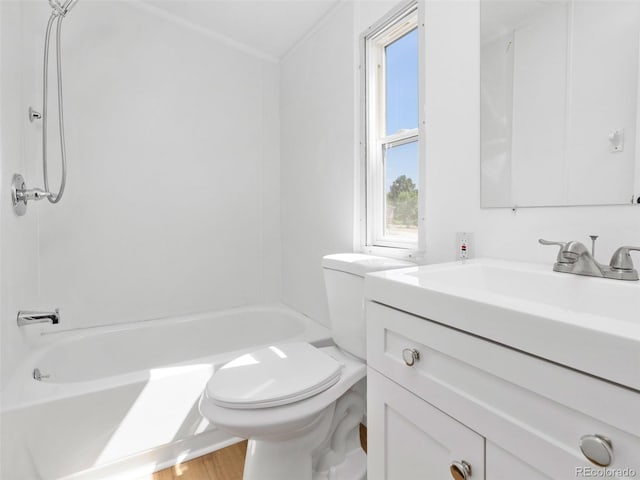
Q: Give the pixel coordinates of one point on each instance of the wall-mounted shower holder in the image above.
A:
(34, 115)
(20, 194)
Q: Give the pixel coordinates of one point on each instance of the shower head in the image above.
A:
(62, 8)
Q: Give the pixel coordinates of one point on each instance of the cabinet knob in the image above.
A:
(410, 356)
(460, 470)
(598, 449)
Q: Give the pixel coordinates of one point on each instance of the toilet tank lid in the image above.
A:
(361, 264)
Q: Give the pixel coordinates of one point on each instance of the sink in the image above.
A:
(538, 285)
(586, 323)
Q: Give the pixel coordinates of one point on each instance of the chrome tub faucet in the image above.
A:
(32, 318)
(574, 257)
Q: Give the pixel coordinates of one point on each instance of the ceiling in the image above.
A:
(271, 27)
(499, 16)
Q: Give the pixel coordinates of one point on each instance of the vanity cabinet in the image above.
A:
(438, 396)
(414, 436)
(501, 465)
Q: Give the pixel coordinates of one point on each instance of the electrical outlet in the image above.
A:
(464, 245)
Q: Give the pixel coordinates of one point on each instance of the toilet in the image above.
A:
(301, 406)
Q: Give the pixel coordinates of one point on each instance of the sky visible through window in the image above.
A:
(401, 101)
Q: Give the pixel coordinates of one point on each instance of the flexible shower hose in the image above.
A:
(53, 197)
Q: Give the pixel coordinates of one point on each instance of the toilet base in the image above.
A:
(354, 467)
(328, 450)
(261, 461)
(287, 458)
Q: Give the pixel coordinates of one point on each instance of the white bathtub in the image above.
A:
(121, 402)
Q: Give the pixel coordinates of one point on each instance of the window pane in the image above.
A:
(401, 192)
(401, 80)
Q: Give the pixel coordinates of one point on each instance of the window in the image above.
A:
(392, 132)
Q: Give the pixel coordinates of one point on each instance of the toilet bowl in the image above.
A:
(301, 406)
(304, 432)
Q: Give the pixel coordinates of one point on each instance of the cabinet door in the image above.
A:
(410, 439)
(501, 465)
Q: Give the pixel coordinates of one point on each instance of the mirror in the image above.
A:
(559, 111)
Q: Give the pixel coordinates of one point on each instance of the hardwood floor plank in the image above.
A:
(191, 470)
(224, 464)
(162, 475)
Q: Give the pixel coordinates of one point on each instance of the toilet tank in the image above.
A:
(344, 283)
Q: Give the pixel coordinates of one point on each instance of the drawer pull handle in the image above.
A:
(598, 449)
(460, 470)
(410, 356)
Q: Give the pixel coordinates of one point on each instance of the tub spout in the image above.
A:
(37, 375)
(31, 318)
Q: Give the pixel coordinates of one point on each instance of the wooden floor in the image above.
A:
(225, 464)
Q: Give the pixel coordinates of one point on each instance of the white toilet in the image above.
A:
(301, 406)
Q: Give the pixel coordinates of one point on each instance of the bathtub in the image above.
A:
(122, 401)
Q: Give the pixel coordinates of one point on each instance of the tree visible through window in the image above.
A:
(402, 203)
(401, 179)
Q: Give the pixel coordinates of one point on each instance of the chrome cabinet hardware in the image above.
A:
(460, 470)
(31, 318)
(410, 356)
(598, 449)
(575, 258)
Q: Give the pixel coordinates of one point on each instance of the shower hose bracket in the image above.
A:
(34, 115)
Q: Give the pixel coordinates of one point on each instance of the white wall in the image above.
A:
(319, 131)
(453, 162)
(321, 217)
(172, 201)
(18, 235)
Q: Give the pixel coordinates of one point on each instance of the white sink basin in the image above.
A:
(590, 324)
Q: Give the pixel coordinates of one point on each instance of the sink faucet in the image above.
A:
(574, 257)
(31, 318)
(581, 260)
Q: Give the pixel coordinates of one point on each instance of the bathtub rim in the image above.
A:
(41, 336)
(22, 391)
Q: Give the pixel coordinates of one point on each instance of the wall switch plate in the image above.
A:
(464, 245)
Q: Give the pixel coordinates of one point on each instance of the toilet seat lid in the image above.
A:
(272, 376)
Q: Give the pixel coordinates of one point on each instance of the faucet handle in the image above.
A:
(542, 241)
(621, 259)
(563, 247)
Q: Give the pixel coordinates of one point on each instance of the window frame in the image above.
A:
(392, 27)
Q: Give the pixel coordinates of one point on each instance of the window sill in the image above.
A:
(410, 254)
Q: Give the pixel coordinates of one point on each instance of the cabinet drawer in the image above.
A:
(532, 408)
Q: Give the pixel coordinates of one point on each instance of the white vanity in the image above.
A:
(500, 370)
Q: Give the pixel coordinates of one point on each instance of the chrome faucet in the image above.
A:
(621, 262)
(31, 318)
(574, 257)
